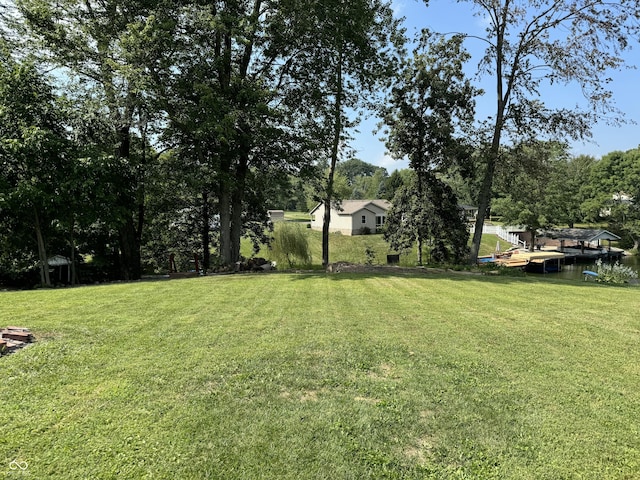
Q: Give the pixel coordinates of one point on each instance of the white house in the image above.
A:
(619, 198)
(355, 217)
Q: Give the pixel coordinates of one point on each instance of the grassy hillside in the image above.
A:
(344, 248)
(324, 376)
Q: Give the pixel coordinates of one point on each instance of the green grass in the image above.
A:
(297, 216)
(352, 249)
(326, 377)
(488, 244)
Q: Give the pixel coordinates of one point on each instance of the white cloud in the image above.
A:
(398, 8)
(386, 161)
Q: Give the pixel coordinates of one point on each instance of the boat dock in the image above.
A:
(538, 262)
(581, 245)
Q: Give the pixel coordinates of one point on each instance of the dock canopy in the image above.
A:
(586, 235)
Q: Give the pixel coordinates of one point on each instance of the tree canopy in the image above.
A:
(430, 107)
(132, 132)
(547, 43)
(615, 192)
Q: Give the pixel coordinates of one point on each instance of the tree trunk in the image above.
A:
(130, 262)
(42, 251)
(484, 198)
(74, 271)
(502, 95)
(337, 132)
(225, 222)
(484, 201)
(129, 237)
(419, 250)
(532, 247)
(140, 208)
(206, 238)
(72, 255)
(237, 206)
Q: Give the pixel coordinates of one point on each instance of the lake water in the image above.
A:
(575, 271)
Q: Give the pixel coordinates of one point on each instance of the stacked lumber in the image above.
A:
(14, 338)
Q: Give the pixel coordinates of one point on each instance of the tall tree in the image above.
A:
(615, 193)
(528, 185)
(212, 71)
(431, 106)
(88, 41)
(396, 180)
(541, 43)
(35, 153)
(342, 57)
(427, 215)
(568, 192)
(354, 167)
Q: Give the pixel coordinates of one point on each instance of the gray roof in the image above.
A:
(349, 207)
(589, 235)
(58, 261)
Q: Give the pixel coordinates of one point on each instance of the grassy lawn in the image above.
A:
(345, 248)
(324, 377)
(297, 216)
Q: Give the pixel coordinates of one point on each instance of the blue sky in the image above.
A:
(450, 16)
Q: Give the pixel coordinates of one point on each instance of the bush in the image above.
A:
(614, 273)
(370, 254)
(290, 244)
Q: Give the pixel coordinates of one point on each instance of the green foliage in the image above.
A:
(431, 103)
(37, 160)
(614, 189)
(613, 272)
(370, 255)
(397, 179)
(531, 186)
(354, 167)
(534, 47)
(290, 244)
(572, 188)
(428, 212)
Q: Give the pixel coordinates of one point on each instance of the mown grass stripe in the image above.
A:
(325, 376)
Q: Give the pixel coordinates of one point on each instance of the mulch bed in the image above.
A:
(346, 267)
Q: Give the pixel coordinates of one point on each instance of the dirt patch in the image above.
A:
(370, 401)
(421, 450)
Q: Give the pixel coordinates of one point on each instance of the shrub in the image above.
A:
(290, 244)
(370, 254)
(613, 273)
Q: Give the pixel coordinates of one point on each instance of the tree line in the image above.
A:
(130, 130)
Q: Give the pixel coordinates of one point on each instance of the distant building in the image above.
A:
(619, 198)
(276, 215)
(355, 217)
(469, 213)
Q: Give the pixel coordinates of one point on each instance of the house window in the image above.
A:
(379, 220)
(364, 219)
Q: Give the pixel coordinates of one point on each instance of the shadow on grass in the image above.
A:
(461, 276)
